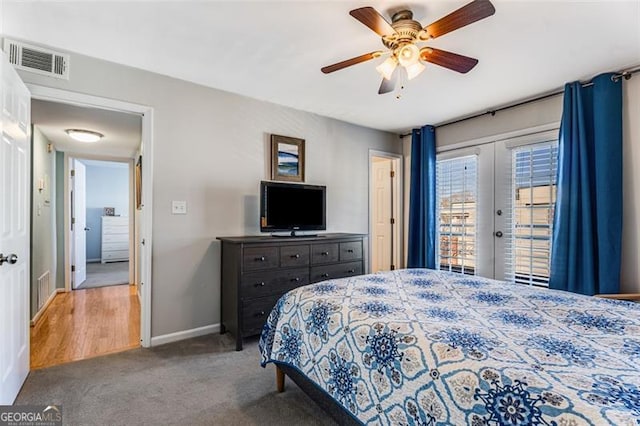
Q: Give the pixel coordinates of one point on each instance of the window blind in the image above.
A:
(457, 189)
(529, 214)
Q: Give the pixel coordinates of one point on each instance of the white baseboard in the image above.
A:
(186, 334)
(38, 314)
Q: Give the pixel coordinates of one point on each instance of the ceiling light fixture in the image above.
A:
(414, 70)
(408, 55)
(403, 37)
(87, 136)
(387, 67)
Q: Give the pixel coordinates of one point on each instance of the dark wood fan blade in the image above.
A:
(453, 61)
(372, 19)
(472, 12)
(344, 64)
(389, 85)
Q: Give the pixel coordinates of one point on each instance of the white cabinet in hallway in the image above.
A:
(115, 238)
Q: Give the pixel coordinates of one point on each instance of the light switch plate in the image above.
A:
(179, 207)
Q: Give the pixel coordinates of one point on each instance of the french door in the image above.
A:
(495, 208)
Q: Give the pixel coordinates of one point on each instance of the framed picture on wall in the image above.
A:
(109, 211)
(287, 158)
(138, 179)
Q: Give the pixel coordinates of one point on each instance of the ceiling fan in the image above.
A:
(401, 38)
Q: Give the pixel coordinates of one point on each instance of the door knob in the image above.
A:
(499, 234)
(87, 228)
(11, 259)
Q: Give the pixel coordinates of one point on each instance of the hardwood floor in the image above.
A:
(86, 323)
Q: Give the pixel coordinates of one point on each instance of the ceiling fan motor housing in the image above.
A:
(407, 30)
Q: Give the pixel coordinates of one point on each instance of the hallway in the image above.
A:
(86, 323)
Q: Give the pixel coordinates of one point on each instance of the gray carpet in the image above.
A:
(105, 274)
(201, 381)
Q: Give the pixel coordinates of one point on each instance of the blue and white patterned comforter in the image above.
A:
(422, 347)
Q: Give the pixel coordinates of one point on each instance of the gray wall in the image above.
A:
(211, 149)
(550, 111)
(43, 235)
(59, 221)
(107, 186)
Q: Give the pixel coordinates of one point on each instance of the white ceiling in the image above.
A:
(122, 132)
(274, 50)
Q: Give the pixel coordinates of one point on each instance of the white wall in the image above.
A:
(43, 235)
(211, 149)
(549, 111)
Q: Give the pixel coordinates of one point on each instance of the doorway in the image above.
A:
(100, 228)
(83, 197)
(385, 215)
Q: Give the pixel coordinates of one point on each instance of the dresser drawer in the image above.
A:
(321, 273)
(123, 245)
(115, 238)
(351, 251)
(294, 256)
(255, 313)
(115, 229)
(324, 253)
(115, 255)
(257, 284)
(256, 258)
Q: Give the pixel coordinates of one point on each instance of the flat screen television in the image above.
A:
(292, 207)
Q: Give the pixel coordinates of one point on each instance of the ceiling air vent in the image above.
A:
(37, 59)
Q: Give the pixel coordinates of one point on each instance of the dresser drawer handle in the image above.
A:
(260, 284)
(350, 251)
(325, 253)
(295, 256)
(260, 314)
(351, 271)
(296, 279)
(325, 275)
(261, 259)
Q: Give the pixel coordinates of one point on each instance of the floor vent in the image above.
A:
(37, 59)
(44, 289)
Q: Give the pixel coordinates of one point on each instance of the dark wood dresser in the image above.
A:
(256, 271)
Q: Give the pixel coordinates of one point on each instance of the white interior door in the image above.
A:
(15, 170)
(80, 223)
(381, 215)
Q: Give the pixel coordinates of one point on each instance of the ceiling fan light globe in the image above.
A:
(414, 70)
(408, 55)
(387, 67)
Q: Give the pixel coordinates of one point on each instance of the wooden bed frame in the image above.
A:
(319, 396)
(622, 296)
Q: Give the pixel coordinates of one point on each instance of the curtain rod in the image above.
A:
(624, 74)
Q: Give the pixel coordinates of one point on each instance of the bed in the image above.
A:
(424, 347)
